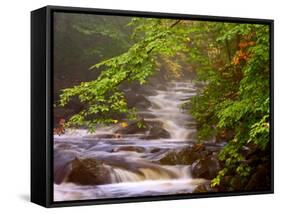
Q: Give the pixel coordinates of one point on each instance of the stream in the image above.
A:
(133, 160)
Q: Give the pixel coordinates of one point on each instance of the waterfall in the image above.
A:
(131, 160)
(166, 106)
(156, 172)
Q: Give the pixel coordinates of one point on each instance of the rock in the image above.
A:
(150, 129)
(155, 150)
(156, 130)
(203, 188)
(200, 84)
(136, 88)
(102, 136)
(129, 148)
(198, 147)
(156, 80)
(147, 115)
(186, 156)
(137, 100)
(225, 183)
(62, 166)
(142, 105)
(260, 179)
(148, 90)
(132, 128)
(206, 167)
(236, 183)
(157, 133)
(161, 87)
(192, 135)
(189, 154)
(88, 171)
(191, 125)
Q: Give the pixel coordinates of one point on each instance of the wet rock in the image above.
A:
(62, 166)
(206, 167)
(102, 136)
(161, 87)
(200, 189)
(157, 133)
(203, 188)
(185, 156)
(260, 179)
(88, 171)
(132, 128)
(192, 135)
(137, 100)
(129, 148)
(148, 90)
(156, 80)
(200, 84)
(191, 125)
(147, 115)
(150, 130)
(155, 150)
(136, 88)
(236, 183)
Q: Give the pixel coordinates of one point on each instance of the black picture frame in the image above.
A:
(42, 99)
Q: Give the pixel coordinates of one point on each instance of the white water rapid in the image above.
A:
(131, 160)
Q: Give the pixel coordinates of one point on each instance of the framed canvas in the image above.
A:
(134, 106)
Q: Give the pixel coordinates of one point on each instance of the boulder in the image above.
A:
(146, 115)
(236, 183)
(137, 100)
(102, 136)
(203, 188)
(148, 90)
(200, 84)
(150, 130)
(133, 128)
(206, 167)
(155, 150)
(191, 125)
(129, 148)
(62, 166)
(260, 179)
(185, 156)
(157, 133)
(88, 171)
(161, 87)
(192, 135)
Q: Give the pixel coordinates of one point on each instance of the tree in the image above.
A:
(231, 59)
(104, 101)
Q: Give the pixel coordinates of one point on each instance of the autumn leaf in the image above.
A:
(124, 124)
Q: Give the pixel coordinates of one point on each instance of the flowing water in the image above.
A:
(134, 172)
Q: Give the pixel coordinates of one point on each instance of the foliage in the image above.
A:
(236, 97)
(102, 96)
(232, 64)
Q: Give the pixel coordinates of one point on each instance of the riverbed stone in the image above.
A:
(155, 150)
(62, 161)
(157, 133)
(185, 156)
(129, 149)
(88, 171)
(204, 188)
(137, 100)
(206, 167)
(260, 179)
(150, 130)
